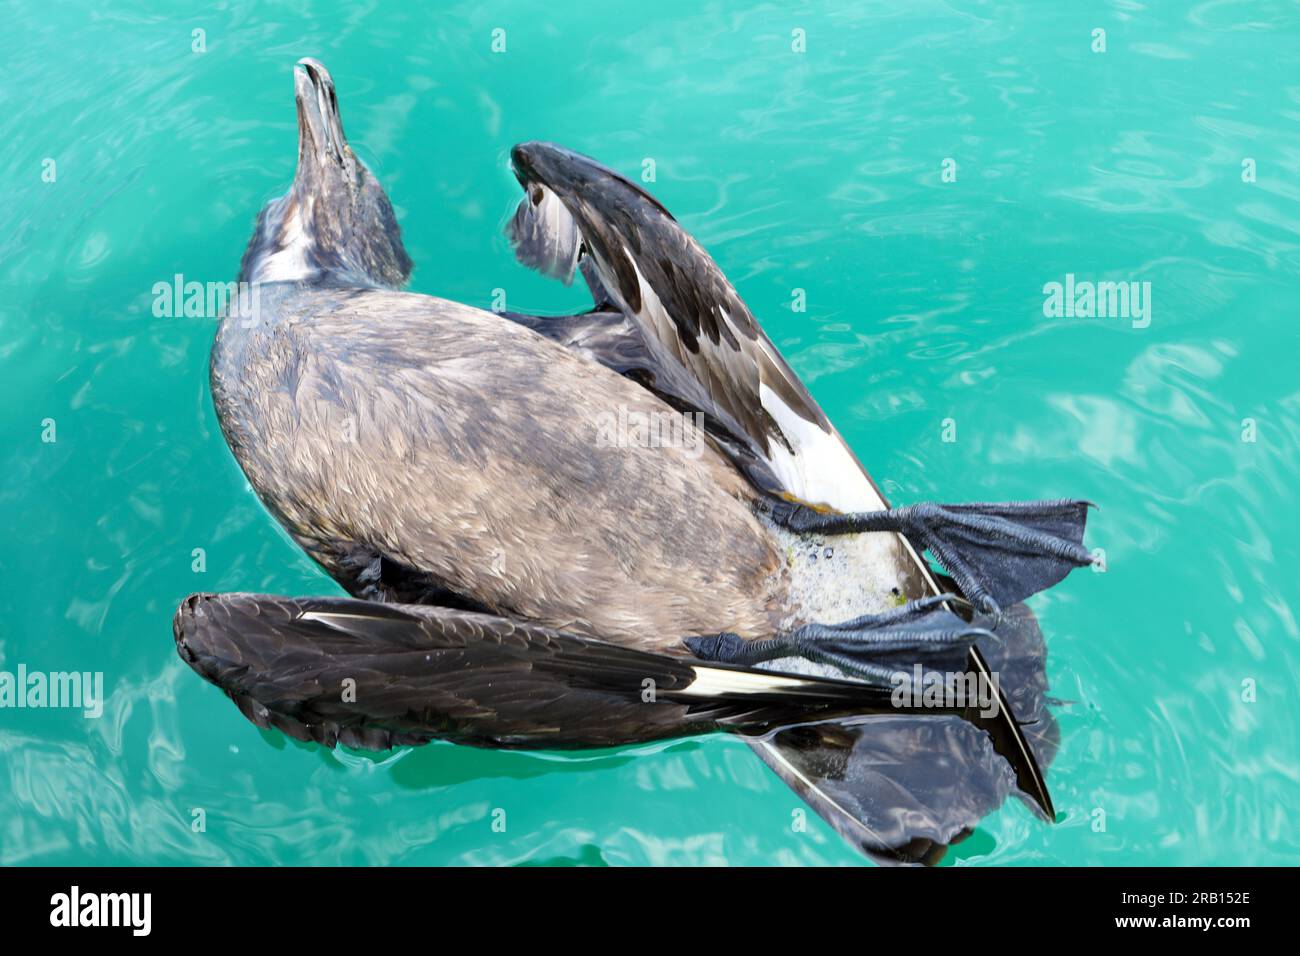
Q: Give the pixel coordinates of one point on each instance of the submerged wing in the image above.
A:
(692, 320)
(905, 788)
(374, 676)
(898, 783)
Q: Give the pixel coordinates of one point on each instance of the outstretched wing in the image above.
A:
(698, 331)
(374, 676)
(896, 782)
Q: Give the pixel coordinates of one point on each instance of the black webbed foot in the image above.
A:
(873, 648)
(999, 554)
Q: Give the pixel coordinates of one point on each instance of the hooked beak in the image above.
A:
(570, 174)
(320, 129)
(522, 163)
(545, 170)
(542, 231)
(548, 165)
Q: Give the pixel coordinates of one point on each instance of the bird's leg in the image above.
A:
(873, 648)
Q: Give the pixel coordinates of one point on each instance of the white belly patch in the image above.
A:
(835, 578)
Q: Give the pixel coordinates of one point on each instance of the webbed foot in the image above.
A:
(998, 554)
(873, 648)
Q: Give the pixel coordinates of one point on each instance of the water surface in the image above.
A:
(820, 171)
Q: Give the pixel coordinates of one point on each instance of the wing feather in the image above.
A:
(695, 326)
(373, 675)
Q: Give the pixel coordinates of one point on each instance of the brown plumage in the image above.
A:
(466, 449)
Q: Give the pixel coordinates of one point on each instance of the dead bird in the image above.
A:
(524, 582)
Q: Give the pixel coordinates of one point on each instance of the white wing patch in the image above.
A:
(821, 470)
(652, 314)
(334, 619)
(715, 681)
(563, 231)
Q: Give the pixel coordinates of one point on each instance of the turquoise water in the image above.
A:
(820, 171)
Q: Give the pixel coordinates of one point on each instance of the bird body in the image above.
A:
(543, 522)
